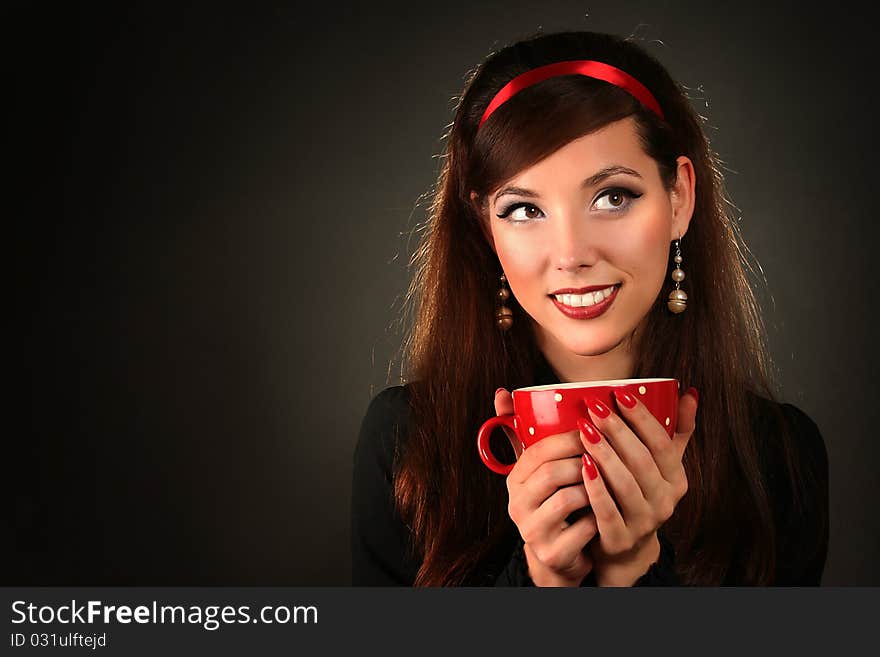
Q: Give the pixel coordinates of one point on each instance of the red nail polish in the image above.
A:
(693, 391)
(497, 391)
(589, 467)
(625, 398)
(589, 430)
(599, 408)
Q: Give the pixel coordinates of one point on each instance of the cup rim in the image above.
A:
(589, 384)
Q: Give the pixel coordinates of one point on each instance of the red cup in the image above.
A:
(541, 411)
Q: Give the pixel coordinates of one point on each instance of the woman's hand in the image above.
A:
(544, 487)
(643, 469)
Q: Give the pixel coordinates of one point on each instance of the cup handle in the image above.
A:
(483, 436)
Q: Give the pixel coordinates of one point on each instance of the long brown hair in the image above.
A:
(454, 356)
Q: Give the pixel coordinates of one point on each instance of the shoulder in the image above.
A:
(806, 434)
(389, 407)
(805, 441)
(390, 402)
(383, 425)
(793, 457)
(795, 463)
(381, 548)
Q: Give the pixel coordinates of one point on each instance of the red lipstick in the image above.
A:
(582, 290)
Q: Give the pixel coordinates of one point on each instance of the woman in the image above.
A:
(575, 164)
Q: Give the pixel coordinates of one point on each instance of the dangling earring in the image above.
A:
(677, 298)
(504, 315)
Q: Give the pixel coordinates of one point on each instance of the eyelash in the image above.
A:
(619, 190)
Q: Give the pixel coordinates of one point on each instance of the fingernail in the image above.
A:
(497, 391)
(693, 391)
(589, 467)
(599, 408)
(625, 398)
(589, 430)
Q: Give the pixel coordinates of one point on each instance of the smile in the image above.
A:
(586, 306)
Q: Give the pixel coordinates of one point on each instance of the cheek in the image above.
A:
(520, 259)
(650, 250)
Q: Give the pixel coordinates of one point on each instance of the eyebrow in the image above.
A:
(592, 181)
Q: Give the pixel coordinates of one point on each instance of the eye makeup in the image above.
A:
(621, 191)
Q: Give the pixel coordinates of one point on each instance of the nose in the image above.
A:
(574, 242)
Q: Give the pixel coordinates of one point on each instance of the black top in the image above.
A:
(381, 544)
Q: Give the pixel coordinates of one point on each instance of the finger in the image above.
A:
(548, 519)
(687, 419)
(641, 442)
(581, 561)
(504, 406)
(687, 414)
(576, 536)
(558, 446)
(503, 402)
(687, 422)
(609, 522)
(619, 479)
(548, 478)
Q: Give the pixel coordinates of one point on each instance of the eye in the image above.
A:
(618, 199)
(512, 212)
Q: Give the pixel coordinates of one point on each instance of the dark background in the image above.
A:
(210, 213)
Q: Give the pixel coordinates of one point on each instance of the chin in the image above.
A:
(586, 341)
(593, 346)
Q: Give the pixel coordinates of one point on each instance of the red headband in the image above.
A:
(588, 67)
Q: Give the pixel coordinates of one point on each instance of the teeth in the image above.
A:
(588, 299)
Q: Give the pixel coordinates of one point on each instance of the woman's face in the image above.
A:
(564, 223)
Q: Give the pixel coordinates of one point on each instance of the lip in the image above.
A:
(582, 290)
(588, 312)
